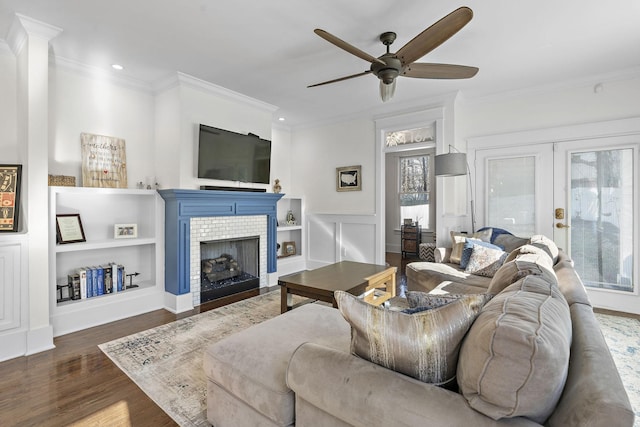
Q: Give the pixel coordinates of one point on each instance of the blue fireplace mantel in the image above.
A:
(182, 205)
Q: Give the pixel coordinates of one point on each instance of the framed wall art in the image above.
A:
(104, 161)
(10, 176)
(348, 178)
(69, 228)
(125, 231)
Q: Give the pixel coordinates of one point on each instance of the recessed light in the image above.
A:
(117, 67)
(281, 119)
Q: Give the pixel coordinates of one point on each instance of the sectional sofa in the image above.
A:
(520, 348)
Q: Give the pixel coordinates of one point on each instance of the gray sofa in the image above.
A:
(298, 369)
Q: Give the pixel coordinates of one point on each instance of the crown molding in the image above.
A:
(23, 27)
(180, 79)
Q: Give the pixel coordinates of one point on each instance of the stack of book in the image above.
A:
(88, 282)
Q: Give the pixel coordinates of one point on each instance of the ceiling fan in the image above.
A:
(391, 65)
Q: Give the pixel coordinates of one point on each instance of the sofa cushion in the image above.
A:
(426, 276)
(514, 360)
(485, 261)
(251, 364)
(545, 243)
(423, 345)
(458, 240)
(527, 260)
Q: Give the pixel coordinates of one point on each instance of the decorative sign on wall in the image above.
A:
(9, 196)
(104, 161)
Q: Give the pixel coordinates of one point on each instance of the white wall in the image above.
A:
(549, 108)
(80, 102)
(317, 152)
(197, 102)
(8, 112)
(282, 159)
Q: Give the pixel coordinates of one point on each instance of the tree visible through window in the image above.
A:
(415, 189)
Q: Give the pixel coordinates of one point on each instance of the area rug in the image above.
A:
(166, 361)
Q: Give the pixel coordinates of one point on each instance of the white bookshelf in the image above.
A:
(291, 233)
(100, 209)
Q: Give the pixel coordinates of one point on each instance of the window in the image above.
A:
(414, 192)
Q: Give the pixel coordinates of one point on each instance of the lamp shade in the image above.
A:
(451, 164)
(387, 90)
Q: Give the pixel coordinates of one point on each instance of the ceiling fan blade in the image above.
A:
(439, 71)
(434, 36)
(341, 78)
(346, 46)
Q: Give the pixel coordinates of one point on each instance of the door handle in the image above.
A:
(561, 225)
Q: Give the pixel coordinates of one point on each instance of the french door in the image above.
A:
(597, 216)
(583, 194)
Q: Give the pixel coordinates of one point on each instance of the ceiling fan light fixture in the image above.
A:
(387, 90)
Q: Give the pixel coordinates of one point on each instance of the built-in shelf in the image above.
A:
(291, 233)
(104, 244)
(100, 209)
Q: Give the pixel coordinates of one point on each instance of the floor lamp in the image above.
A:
(455, 164)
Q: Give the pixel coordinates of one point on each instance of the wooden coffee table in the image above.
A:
(377, 282)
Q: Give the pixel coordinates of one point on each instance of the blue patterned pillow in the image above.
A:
(468, 248)
(485, 261)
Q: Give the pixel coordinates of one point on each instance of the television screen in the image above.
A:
(230, 156)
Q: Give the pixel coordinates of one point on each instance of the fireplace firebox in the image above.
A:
(229, 266)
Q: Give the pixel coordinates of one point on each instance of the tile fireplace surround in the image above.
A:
(215, 215)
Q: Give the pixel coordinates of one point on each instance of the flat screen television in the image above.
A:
(231, 156)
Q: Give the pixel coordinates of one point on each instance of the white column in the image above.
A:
(29, 40)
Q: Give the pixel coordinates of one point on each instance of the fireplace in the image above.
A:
(193, 216)
(229, 266)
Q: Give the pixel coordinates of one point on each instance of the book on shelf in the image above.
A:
(94, 280)
(108, 278)
(100, 279)
(82, 274)
(121, 278)
(73, 283)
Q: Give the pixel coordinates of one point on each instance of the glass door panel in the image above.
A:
(602, 218)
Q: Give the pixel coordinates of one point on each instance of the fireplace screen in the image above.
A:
(229, 266)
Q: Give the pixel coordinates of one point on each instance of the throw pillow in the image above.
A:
(515, 358)
(424, 345)
(468, 249)
(485, 261)
(458, 240)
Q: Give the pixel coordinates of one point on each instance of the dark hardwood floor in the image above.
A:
(75, 384)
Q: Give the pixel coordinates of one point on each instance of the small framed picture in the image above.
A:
(288, 248)
(125, 231)
(348, 178)
(69, 229)
(10, 176)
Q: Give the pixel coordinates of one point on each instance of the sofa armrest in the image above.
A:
(442, 254)
(361, 393)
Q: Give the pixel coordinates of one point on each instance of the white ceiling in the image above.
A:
(267, 49)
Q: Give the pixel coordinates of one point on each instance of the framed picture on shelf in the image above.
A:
(125, 231)
(69, 229)
(288, 248)
(348, 178)
(9, 196)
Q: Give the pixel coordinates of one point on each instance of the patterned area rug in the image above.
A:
(166, 361)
